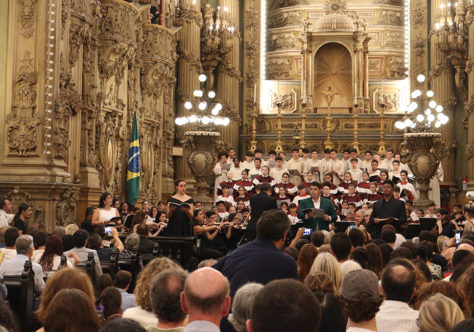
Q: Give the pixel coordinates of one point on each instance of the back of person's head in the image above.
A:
(305, 259)
(59, 231)
(374, 259)
(388, 236)
(398, 282)
(317, 238)
(439, 313)
(122, 279)
(67, 304)
(111, 300)
(142, 289)
(122, 325)
(80, 238)
(71, 229)
(386, 250)
(448, 289)
(132, 241)
(11, 234)
(425, 250)
(401, 252)
(360, 295)
(142, 230)
(102, 283)
(242, 304)
(465, 283)
(325, 262)
(94, 241)
(341, 246)
(292, 252)
(412, 246)
(320, 282)
(466, 325)
(39, 238)
(332, 316)
(273, 225)
(300, 244)
(64, 278)
(165, 290)
(206, 291)
(7, 318)
(264, 187)
(429, 236)
(459, 256)
(422, 270)
(297, 308)
(207, 263)
(357, 237)
(349, 266)
(360, 256)
(23, 244)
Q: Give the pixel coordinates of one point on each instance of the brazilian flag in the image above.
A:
(133, 168)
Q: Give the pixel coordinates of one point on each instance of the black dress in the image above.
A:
(179, 223)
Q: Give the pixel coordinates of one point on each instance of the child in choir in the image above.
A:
(226, 197)
(403, 166)
(396, 192)
(355, 171)
(346, 159)
(383, 178)
(220, 170)
(374, 172)
(265, 177)
(313, 165)
(301, 194)
(343, 187)
(231, 153)
(295, 166)
(257, 170)
(242, 195)
(305, 155)
(363, 187)
(336, 167)
(221, 211)
(394, 174)
(387, 162)
(352, 196)
(240, 206)
(327, 193)
(412, 217)
(248, 162)
(367, 162)
(420, 213)
(283, 196)
(293, 214)
(408, 189)
(282, 155)
(236, 169)
(244, 182)
(229, 183)
(325, 163)
(334, 189)
(355, 155)
(284, 207)
(271, 162)
(285, 183)
(343, 210)
(278, 171)
(373, 196)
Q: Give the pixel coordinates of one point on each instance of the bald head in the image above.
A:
(398, 282)
(206, 291)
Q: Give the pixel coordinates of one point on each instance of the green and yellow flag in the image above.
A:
(133, 168)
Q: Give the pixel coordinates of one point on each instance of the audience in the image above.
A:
(123, 325)
(111, 301)
(242, 305)
(439, 313)
(122, 281)
(305, 260)
(11, 234)
(80, 241)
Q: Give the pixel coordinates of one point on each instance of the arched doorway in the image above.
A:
(333, 67)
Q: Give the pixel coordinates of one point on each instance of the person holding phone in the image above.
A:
(315, 202)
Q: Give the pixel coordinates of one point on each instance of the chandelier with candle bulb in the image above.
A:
(203, 109)
(423, 114)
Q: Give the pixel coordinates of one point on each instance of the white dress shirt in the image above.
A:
(5, 218)
(247, 165)
(201, 326)
(16, 266)
(82, 254)
(395, 316)
(276, 173)
(9, 253)
(143, 317)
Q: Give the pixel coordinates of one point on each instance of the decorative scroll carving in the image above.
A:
(396, 68)
(469, 151)
(283, 19)
(188, 13)
(394, 39)
(27, 18)
(66, 208)
(278, 68)
(283, 41)
(22, 122)
(391, 17)
(286, 102)
(194, 61)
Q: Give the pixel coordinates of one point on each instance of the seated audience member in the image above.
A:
(465, 283)
(71, 310)
(445, 225)
(19, 221)
(11, 234)
(87, 222)
(349, 266)
(466, 325)
(425, 253)
(98, 245)
(398, 285)
(5, 216)
(320, 282)
(205, 299)
(260, 260)
(341, 247)
(297, 308)
(360, 255)
(39, 240)
(122, 281)
(146, 245)
(80, 250)
(242, 304)
(165, 292)
(388, 235)
(325, 262)
(356, 237)
(15, 266)
(51, 257)
(305, 259)
(131, 244)
(101, 283)
(374, 259)
(8, 321)
(143, 312)
(317, 238)
(399, 238)
(111, 301)
(64, 278)
(71, 229)
(123, 324)
(439, 313)
(332, 316)
(361, 300)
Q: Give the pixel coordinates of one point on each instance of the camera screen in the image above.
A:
(307, 231)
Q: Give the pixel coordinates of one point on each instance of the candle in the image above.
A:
(355, 91)
(255, 93)
(382, 88)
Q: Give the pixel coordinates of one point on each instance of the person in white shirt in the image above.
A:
(313, 165)
(305, 156)
(398, 285)
(355, 154)
(407, 186)
(355, 171)
(236, 169)
(346, 159)
(374, 169)
(271, 162)
(5, 216)
(10, 236)
(295, 164)
(248, 162)
(367, 162)
(282, 155)
(335, 167)
(277, 172)
(431, 213)
(301, 194)
(394, 174)
(360, 294)
(15, 266)
(225, 196)
(220, 170)
(257, 170)
(387, 162)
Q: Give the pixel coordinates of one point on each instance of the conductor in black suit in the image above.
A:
(260, 203)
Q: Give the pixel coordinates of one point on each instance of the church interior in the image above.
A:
(372, 75)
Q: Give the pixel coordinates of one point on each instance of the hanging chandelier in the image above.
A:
(203, 109)
(423, 114)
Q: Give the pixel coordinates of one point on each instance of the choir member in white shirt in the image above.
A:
(220, 171)
(295, 164)
(286, 183)
(225, 197)
(346, 159)
(231, 153)
(257, 170)
(407, 186)
(325, 162)
(305, 156)
(367, 162)
(434, 194)
(264, 177)
(403, 166)
(355, 154)
(278, 170)
(313, 165)
(244, 182)
(394, 174)
(335, 167)
(236, 169)
(374, 170)
(301, 194)
(271, 162)
(355, 171)
(248, 162)
(258, 154)
(222, 211)
(387, 162)
(283, 157)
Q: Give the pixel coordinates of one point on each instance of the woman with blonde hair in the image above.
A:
(143, 312)
(65, 278)
(325, 262)
(439, 313)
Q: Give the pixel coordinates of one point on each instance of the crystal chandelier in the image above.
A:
(423, 114)
(203, 109)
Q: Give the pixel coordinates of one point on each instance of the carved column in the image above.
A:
(189, 51)
(228, 78)
(469, 113)
(442, 86)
